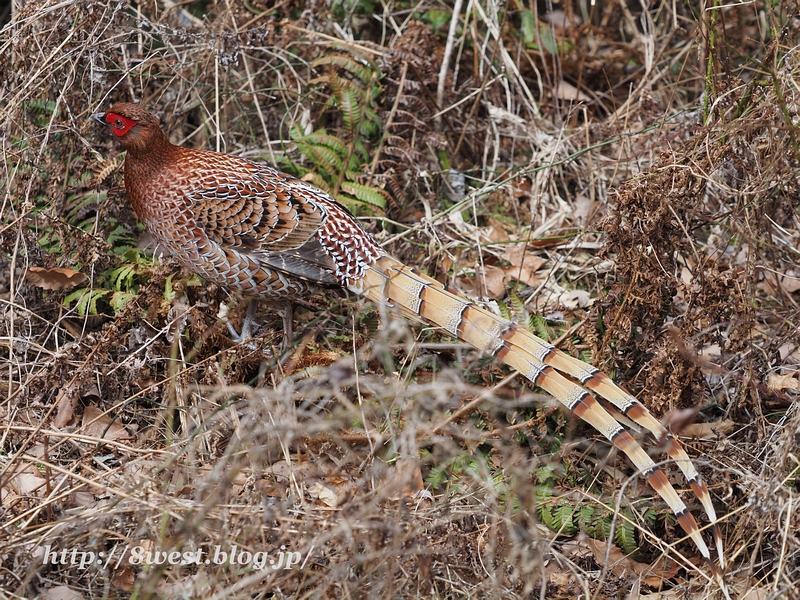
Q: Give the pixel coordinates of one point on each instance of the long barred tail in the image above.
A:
(554, 371)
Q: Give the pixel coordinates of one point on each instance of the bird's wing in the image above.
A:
(256, 210)
(309, 261)
(243, 204)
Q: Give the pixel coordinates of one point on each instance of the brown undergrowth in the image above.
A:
(651, 228)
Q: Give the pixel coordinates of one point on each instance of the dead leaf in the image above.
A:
(80, 499)
(708, 431)
(123, 577)
(61, 592)
(621, 565)
(447, 264)
(66, 401)
(711, 351)
(561, 579)
(615, 560)
(783, 382)
(558, 574)
(520, 255)
(36, 450)
(566, 91)
(325, 494)
(559, 19)
(521, 274)
(497, 231)
(576, 299)
(583, 208)
(184, 587)
(96, 424)
(788, 282)
(674, 593)
(54, 278)
(789, 352)
(406, 480)
(524, 264)
(679, 419)
(757, 594)
(662, 570)
(546, 242)
(521, 187)
(28, 481)
(493, 280)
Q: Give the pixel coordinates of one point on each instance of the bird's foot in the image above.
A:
(246, 335)
(284, 309)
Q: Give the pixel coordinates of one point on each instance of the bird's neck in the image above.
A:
(148, 145)
(145, 164)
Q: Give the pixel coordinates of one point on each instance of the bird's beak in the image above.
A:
(100, 118)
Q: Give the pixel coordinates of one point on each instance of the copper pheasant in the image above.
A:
(249, 227)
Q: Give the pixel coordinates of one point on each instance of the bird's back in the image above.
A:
(246, 225)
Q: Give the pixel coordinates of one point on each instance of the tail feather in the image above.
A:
(554, 371)
(600, 383)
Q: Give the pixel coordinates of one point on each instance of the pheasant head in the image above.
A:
(137, 130)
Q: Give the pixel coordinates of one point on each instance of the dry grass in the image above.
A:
(661, 221)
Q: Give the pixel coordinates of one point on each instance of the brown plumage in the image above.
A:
(249, 227)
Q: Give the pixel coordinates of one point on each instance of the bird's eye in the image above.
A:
(118, 124)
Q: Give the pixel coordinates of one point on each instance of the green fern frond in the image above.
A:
(322, 138)
(651, 516)
(370, 195)
(121, 239)
(360, 156)
(317, 180)
(517, 304)
(436, 477)
(566, 525)
(350, 102)
(296, 131)
(86, 300)
(352, 85)
(337, 85)
(504, 311)
(538, 325)
(120, 299)
(360, 68)
(325, 159)
(122, 277)
(285, 164)
(546, 474)
(625, 536)
(371, 125)
(585, 515)
(544, 509)
(603, 527)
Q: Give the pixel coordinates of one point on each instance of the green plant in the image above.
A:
(464, 464)
(530, 25)
(563, 514)
(337, 161)
(114, 287)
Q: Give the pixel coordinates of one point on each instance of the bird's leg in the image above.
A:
(287, 315)
(286, 311)
(241, 338)
(284, 308)
(249, 317)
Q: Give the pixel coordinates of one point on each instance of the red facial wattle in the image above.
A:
(119, 125)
